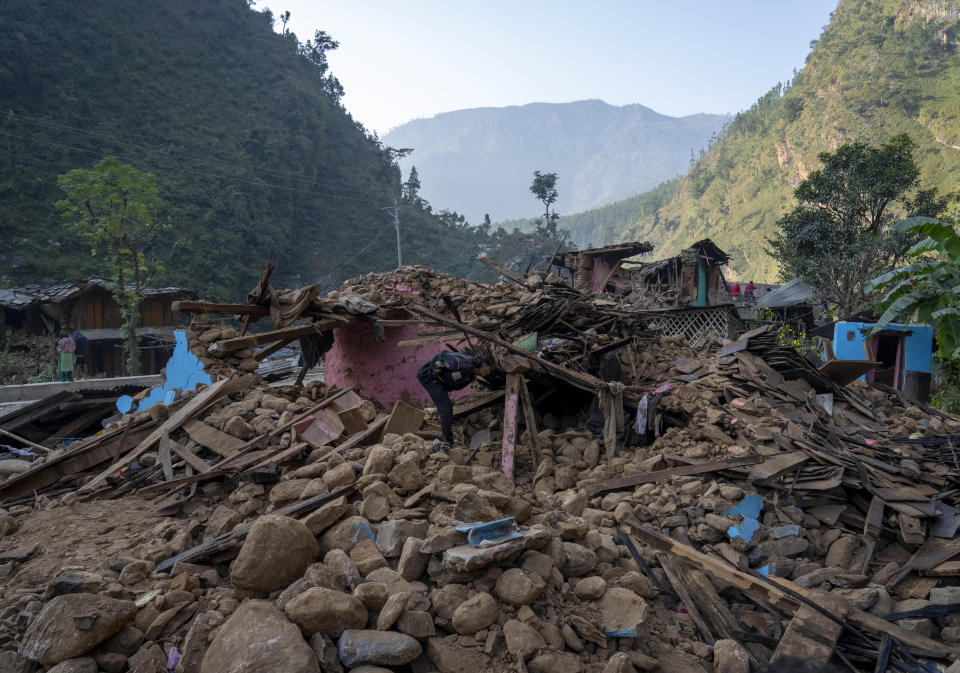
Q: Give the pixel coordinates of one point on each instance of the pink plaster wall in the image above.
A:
(384, 371)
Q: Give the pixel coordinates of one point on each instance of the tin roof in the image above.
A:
(22, 298)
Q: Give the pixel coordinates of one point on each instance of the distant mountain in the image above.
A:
(880, 68)
(482, 160)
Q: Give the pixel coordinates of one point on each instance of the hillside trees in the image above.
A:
(838, 236)
(113, 207)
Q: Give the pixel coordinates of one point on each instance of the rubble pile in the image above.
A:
(286, 528)
(27, 357)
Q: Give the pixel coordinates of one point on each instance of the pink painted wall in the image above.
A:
(384, 371)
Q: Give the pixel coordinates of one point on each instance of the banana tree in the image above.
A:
(929, 288)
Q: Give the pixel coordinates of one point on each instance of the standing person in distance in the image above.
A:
(65, 350)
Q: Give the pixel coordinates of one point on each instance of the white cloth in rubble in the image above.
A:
(640, 423)
(611, 404)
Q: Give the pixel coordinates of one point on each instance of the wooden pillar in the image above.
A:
(510, 424)
(3, 329)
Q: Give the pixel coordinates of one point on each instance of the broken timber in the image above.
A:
(777, 592)
(683, 471)
(239, 343)
(211, 547)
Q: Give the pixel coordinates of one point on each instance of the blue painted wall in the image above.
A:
(919, 345)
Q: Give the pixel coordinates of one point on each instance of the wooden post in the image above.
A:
(531, 422)
(510, 423)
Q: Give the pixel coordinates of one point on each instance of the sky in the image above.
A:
(404, 60)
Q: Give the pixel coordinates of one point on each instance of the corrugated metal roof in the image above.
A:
(22, 298)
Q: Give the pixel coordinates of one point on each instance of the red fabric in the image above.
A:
(735, 292)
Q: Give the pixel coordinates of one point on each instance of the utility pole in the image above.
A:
(395, 209)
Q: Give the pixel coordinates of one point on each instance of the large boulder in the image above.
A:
(71, 625)
(277, 551)
(324, 611)
(380, 648)
(258, 637)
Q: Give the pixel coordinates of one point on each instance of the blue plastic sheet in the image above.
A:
(500, 530)
(183, 372)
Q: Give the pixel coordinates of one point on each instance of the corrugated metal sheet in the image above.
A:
(22, 298)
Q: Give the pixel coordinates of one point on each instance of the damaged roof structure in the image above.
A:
(634, 501)
(88, 306)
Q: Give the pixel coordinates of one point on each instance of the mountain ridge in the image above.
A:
(481, 160)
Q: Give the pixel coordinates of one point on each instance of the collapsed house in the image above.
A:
(735, 507)
(694, 278)
(36, 312)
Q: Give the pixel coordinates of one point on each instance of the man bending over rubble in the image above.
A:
(448, 371)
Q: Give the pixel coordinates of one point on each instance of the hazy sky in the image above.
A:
(403, 60)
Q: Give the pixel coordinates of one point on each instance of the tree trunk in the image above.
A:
(134, 314)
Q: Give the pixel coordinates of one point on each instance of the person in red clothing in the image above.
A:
(748, 292)
(735, 292)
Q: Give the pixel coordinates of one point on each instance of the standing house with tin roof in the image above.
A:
(87, 305)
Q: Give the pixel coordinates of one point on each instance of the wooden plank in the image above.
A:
(773, 591)
(184, 481)
(530, 420)
(74, 461)
(811, 636)
(271, 349)
(82, 421)
(509, 446)
(193, 407)
(912, 530)
(192, 459)
(211, 547)
(680, 587)
(464, 408)
(934, 552)
(579, 379)
(503, 271)
(682, 471)
(321, 428)
(253, 310)
(163, 455)
(348, 400)
(403, 419)
(209, 437)
(873, 523)
(353, 421)
(279, 457)
(251, 340)
(776, 466)
(423, 341)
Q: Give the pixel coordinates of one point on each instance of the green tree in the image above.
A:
(928, 289)
(544, 187)
(411, 188)
(838, 236)
(113, 207)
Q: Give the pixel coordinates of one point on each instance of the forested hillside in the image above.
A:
(881, 68)
(256, 159)
(482, 160)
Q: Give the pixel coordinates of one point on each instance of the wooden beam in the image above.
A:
(773, 591)
(673, 574)
(577, 379)
(465, 408)
(811, 636)
(192, 408)
(271, 349)
(503, 271)
(239, 343)
(79, 423)
(252, 310)
(682, 471)
(211, 547)
(209, 437)
(423, 341)
(192, 459)
(510, 408)
(530, 420)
